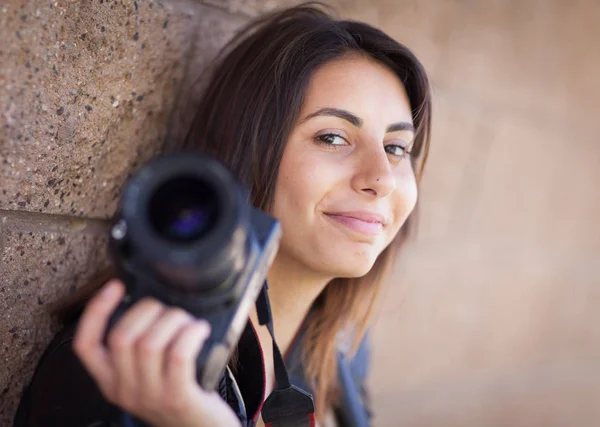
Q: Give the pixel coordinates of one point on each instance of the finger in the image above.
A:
(151, 348)
(122, 340)
(88, 340)
(181, 358)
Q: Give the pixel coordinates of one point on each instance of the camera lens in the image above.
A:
(183, 210)
(188, 224)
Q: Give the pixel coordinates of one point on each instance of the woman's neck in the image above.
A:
(292, 290)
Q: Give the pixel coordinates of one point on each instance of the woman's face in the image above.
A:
(346, 184)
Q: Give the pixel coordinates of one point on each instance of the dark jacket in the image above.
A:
(61, 392)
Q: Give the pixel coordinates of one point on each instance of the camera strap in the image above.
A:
(287, 405)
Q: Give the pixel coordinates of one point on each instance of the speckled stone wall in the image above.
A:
(86, 91)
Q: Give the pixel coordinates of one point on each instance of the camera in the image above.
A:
(185, 234)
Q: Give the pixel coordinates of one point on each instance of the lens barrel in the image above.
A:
(187, 221)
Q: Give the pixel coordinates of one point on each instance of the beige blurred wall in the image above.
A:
(491, 315)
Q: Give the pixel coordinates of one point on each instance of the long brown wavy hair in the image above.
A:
(248, 109)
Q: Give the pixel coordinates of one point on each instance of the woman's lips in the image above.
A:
(370, 226)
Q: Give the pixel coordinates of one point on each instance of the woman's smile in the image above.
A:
(365, 223)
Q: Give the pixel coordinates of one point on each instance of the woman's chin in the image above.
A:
(351, 270)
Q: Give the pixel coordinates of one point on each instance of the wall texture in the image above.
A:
(490, 318)
(87, 89)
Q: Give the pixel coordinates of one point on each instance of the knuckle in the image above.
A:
(178, 357)
(148, 347)
(119, 340)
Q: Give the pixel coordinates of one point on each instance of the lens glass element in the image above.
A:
(183, 210)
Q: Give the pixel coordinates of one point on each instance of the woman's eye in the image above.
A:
(396, 150)
(331, 139)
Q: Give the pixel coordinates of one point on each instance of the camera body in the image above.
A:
(185, 235)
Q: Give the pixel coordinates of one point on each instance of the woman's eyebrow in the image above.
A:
(357, 121)
(406, 126)
(336, 112)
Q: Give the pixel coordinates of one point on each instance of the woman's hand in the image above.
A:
(149, 367)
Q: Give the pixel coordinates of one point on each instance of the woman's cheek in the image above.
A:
(404, 204)
(407, 187)
(309, 184)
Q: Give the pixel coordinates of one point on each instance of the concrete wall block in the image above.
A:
(43, 260)
(249, 7)
(364, 8)
(90, 89)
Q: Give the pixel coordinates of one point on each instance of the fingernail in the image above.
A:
(205, 326)
(110, 289)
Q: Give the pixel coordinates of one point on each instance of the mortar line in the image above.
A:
(53, 223)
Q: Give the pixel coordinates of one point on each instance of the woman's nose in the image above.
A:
(374, 174)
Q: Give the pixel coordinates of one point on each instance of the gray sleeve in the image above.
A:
(354, 405)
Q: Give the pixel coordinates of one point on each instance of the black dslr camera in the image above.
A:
(185, 235)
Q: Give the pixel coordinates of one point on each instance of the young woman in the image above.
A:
(326, 122)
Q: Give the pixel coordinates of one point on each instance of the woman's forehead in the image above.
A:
(360, 85)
